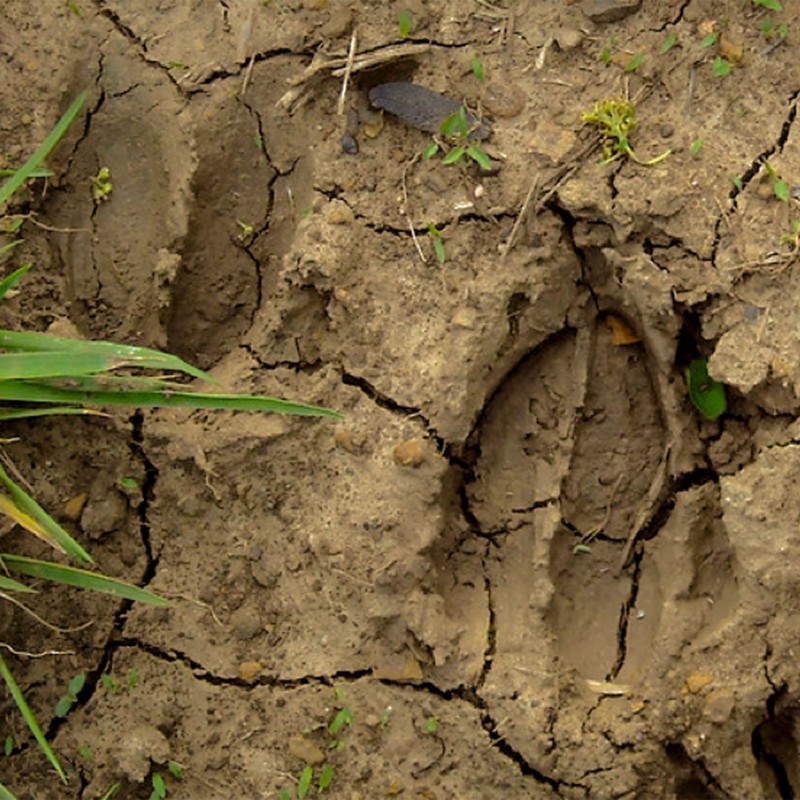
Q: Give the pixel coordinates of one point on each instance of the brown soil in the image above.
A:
(521, 527)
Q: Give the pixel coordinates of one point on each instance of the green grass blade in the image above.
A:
(10, 585)
(26, 170)
(27, 504)
(60, 573)
(15, 366)
(39, 172)
(22, 391)
(7, 248)
(58, 411)
(11, 279)
(29, 717)
(5, 794)
(144, 356)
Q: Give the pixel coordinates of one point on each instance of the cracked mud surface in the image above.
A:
(521, 527)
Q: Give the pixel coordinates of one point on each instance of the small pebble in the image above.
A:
(601, 11)
(666, 130)
(411, 453)
(503, 98)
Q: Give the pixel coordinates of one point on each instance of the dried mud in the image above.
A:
(521, 527)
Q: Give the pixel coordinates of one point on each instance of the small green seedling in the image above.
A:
(404, 22)
(8, 745)
(772, 5)
(696, 147)
(779, 186)
(176, 770)
(102, 186)
(71, 697)
(325, 778)
(85, 753)
(74, 8)
(605, 55)
(669, 43)
(709, 40)
(721, 67)
(386, 717)
(438, 244)
(477, 69)
(581, 548)
(159, 787)
(707, 395)
(456, 130)
(770, 29)
(133, 678)
(342, 718)
(738, 182)
(109, 683)
(793, 238)
(635, 63)
(615, 118)
(431, 725)
(112, 791)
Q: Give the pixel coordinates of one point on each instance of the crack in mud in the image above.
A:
(755, 167)
(409, 412)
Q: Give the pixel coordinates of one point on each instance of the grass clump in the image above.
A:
(45, 375)
(615, 118)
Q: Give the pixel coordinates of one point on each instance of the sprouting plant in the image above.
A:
(779, 186)
(696, 147)
(738, 182)
(159, 787)
(616, 118)
(404, 22)
(477, 69)
(709, 39)
(635, 63)
(793, 238)
(386, 716)
(456, 130)
(605, 55)
(669, 43)
(342, 718)
(68, 700)
(8, 745)
(772, 5)
(109, 682)
(431, 725)
(133, 678)
(176, 770)
(102, 186)
(438, 244)
(721, 67)
(306, 780)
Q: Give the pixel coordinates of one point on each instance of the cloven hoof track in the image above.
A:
(570, 474)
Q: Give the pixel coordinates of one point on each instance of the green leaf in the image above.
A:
(159, 787)
(85, 753)
(456, 154)
(284, 794)
(23, 391)
(80, 578)
(47, 343)
(479, 157)
(10, 585)
(5, 794)
(477, 68)
(738, 182)
(772, 5)
(26, 170)
(304, 784)
(782, 191)
(635, 63)
(29, 506)
(432, 724)
(109, 682)
(404, 22)
(76, 684)
(11, 279)
(707, 395)
(133, 678)
(707, 41)
(63, 706)
(721, 67)
(669, 43)
(343, 717)
(176, 770)
(430, 151)
(697, 146)
(8, 745)
(325, 778)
